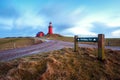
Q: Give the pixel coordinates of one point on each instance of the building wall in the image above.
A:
(40, 34)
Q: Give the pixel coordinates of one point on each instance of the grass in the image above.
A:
(58, 37)
(10, 43)
(67, 39)
(108, 41)
(112, 41)
(63, 64)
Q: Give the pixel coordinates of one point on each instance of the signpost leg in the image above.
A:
(101, 55)
(75, 43)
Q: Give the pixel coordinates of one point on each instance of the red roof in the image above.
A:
(40, 34)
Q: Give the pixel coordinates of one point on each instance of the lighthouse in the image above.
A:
(50, 31)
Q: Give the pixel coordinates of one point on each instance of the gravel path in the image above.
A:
(39, 48)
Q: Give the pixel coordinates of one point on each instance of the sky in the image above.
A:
(22, 18)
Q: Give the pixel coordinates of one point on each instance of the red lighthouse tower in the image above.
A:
(50, 31)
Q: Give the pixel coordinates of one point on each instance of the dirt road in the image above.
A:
(47, 46)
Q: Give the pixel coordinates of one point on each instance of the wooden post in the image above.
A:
(75, 43)
(101, 55)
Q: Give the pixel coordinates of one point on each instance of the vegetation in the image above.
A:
(58, 37)
(18, 42)
(113, 41)
(64, 64)
(11, 43)
(108, 41)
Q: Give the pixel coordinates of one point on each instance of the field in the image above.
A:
(108, 41)
(63, 64)
(12, 43)
(113, 41)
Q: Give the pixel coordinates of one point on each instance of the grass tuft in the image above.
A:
(63, 64)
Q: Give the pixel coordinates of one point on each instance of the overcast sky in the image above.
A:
(69, 17)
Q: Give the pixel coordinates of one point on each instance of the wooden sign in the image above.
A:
(99, 39)
(87, 39)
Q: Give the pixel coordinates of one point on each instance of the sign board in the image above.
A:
(87, 39)
(100, 39)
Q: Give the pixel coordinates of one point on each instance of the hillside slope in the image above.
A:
(63, 64)
(108, 41)
(12, 43)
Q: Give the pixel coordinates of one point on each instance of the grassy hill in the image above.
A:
(63, 64)
(113, 41)
(108, 41)
(11, 43)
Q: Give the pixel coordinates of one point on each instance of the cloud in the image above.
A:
(92, 24)
(62, 17)
(67, 20)
(80, 28)
(80, 24)
(114, 22)
(6, 24)
(29, 20)
(80, 21)
(14, 17)
(79, 31)
(116, 33)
